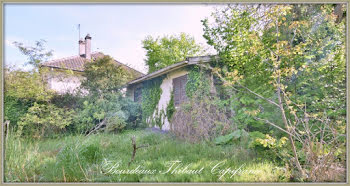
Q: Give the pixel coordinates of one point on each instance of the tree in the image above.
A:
(284, 66)
(26, 85)
(105, 107)
(22, 89)
(162, 52)
(36, 54)
(103, 76)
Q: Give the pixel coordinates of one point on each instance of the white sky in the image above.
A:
(116, 29)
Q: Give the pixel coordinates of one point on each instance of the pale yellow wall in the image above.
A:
(167, 87)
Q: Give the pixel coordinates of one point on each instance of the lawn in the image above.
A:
(105, 158)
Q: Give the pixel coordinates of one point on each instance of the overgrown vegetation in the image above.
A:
(151, 93)
(170, 109)
(164, 51)
(35, 111)
(90, 159)
(202, 118)
(285, 73)
(273, 101)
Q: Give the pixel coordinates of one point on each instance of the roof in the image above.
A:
(188, 61)
(76, 63)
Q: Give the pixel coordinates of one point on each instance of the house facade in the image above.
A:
(174, 79)
(65, 75)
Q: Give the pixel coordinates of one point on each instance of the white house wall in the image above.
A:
(63, 83)
(167, 87)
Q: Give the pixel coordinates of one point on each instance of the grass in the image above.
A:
(102, 157)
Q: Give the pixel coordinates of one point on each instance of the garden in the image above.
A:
(278, 113)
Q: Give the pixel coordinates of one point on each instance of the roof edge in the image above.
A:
(188, 61)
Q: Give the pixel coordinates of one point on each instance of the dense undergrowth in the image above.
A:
(91, 159)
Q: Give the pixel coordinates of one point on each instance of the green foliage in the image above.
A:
(29, 105)
(229, 138)
(170, 109)
(132, 112)
(90, 153)
(103, 76)
(151, 93)
(66, 100)
(26, 85)
(85, 159)
(119, 110)
(271, 148)
(104, 80)
(269, 142)
(22, 157)
(36, 54)
(198, 82)
(285, 65)
(74, 157)
(162, 52)
(44, 120)
(115, 124)
(94, 110)
(14, 109)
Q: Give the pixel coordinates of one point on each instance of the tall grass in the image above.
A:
(21, 160)
(83, 159)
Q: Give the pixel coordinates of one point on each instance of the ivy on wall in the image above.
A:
(170, 109)
(151, 93)
(197, 82)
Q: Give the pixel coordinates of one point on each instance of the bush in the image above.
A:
(115, 124)
(14, 109)
(133, 112)
(200, 119)
(120, 113)
(44, 120)
(66, 100)
(271, 148)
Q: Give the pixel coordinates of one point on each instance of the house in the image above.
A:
(174, 79)
(65, 75)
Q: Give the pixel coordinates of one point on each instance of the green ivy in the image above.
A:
(170, 109)
(197, 82)
(151, 93)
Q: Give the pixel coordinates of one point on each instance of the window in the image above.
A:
(179, 85)
(138, 94)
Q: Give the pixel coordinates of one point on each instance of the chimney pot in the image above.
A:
(81, 48)
(88, 46)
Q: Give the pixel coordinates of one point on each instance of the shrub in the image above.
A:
(115, 124)
(200, 119)
(120, 113)
(43, 120)
(14, 109)
(132, 112)
(236, 136)
(270, 147)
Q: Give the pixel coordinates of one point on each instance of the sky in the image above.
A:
(116, 29)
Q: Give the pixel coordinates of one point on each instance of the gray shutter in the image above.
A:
(179, 85)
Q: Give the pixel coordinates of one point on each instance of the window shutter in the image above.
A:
(179, 87)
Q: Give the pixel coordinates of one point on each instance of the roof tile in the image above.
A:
(76, 63)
